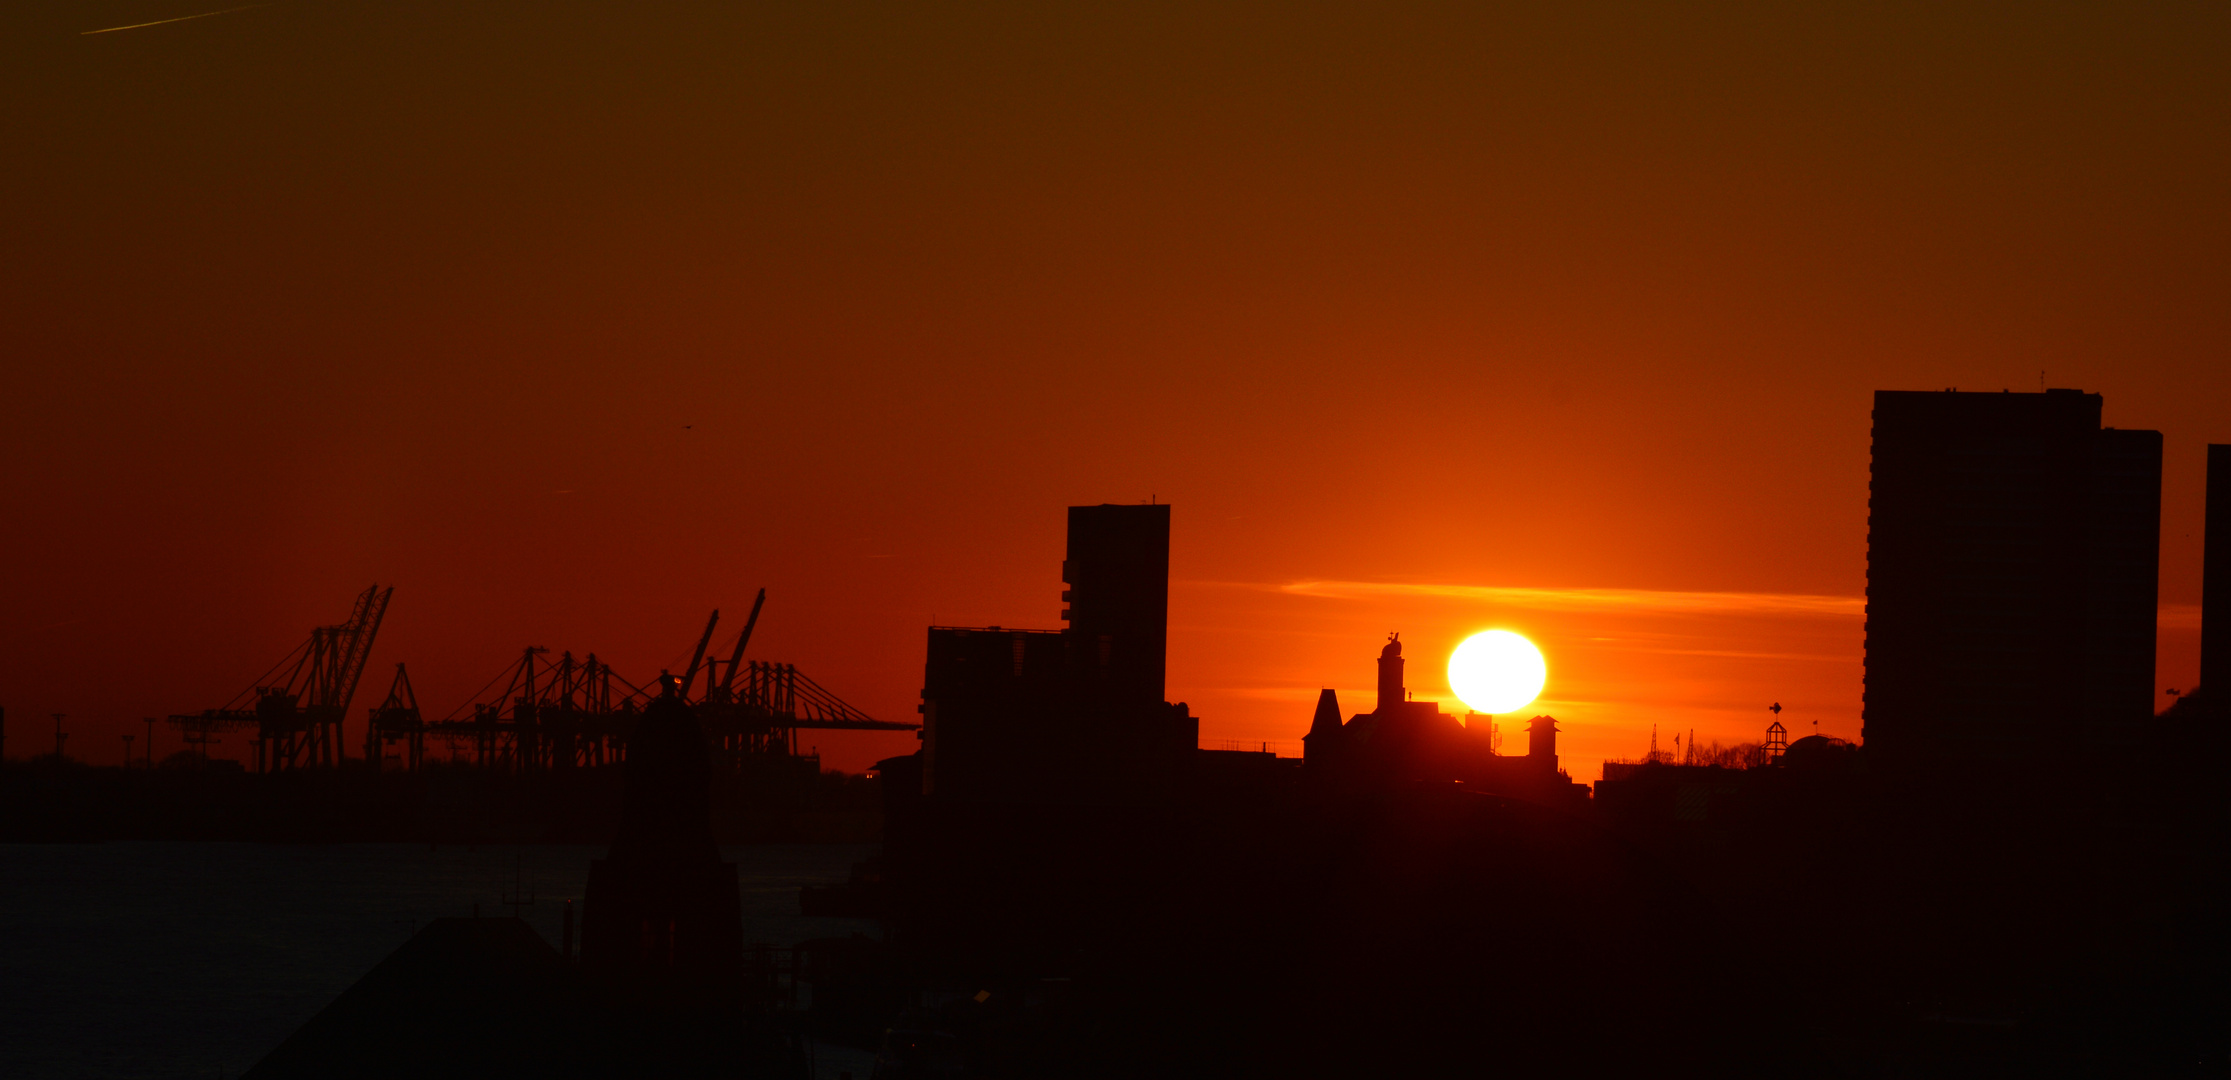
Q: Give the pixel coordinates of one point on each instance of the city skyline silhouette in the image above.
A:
(581, 538)
(238, 403)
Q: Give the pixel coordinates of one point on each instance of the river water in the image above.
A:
(177, 960)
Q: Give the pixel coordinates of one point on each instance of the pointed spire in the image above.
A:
(1328, 714)
(1326, 738)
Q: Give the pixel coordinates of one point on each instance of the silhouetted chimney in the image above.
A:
(1391, 691)
(2215, 584)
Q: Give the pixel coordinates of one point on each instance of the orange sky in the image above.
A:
(573, 322)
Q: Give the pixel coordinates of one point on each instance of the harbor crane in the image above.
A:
(566, 713)
(296, 708)
(396, 719)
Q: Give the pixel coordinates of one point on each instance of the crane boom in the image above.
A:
(698, 658)
(366, 628)
(736, 657)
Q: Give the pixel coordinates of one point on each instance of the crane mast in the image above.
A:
(698, 658)
(728, 683)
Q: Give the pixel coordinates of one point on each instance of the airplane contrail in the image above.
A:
(159, 22)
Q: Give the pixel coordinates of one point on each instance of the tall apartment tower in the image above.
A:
(2013, 555)
(1069, 716)
(1118, 573)
(2215, 585)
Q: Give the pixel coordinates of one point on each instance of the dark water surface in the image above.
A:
(194, 959)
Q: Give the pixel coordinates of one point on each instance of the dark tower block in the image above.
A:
(1118, 572)
(662, 909)
(2215, 585)
(1069, 717)
(2122, 582)
(2012, 555)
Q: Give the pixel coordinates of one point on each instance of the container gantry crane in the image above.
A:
(396, 719)
(297, 717)
(568, 714)
(557, 714)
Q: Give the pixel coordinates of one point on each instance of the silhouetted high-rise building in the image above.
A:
(2013, 552)
(1070, 716)
(2215, 585)
(1118, 572)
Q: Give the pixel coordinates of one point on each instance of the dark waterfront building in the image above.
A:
(2013, 552)
(985, 692)
(1092, 894)
(1074, 715)
(2215, 585)
(1403, 741)
(662, 910)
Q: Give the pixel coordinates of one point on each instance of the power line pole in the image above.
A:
(59, 738)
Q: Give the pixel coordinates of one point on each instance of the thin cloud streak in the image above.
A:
(1733, 654)
(1640, 601)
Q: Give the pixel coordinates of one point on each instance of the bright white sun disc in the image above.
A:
(1497, 671)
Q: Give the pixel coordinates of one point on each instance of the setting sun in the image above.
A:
(1497, 671)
